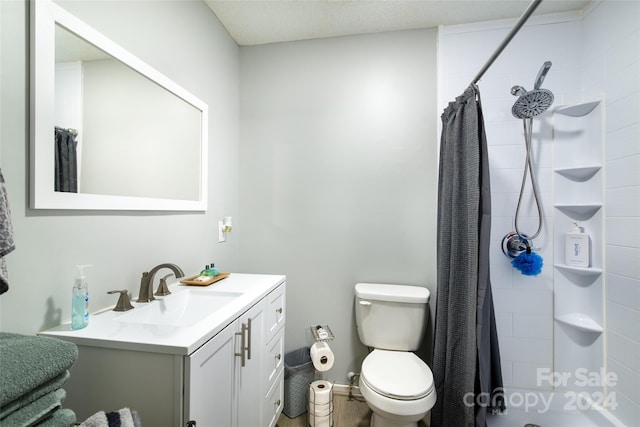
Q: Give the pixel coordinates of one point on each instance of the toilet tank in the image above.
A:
(391, 317)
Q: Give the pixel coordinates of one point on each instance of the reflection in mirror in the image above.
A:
(130, 131)
(125, 137)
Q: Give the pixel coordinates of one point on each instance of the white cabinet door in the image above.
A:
(250, 376)
(227, 378)
(211, 383)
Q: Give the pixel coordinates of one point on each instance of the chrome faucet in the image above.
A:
(146, 282)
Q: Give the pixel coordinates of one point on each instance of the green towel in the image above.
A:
(37, 411)
(27, 362)
(34, 394)
(61, 417)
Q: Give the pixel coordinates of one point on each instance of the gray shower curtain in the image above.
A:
(66, 169)
(466, 360)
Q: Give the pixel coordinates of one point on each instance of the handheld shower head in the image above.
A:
(542, 74)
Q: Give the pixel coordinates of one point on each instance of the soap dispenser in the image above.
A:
(80, 300)
(577, 247)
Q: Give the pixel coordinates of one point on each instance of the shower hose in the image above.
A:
(528, 168)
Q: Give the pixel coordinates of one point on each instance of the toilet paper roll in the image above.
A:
(322, 356)
(320, 393)
(320, 404)
(320, 420)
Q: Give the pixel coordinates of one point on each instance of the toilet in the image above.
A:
(396, 384)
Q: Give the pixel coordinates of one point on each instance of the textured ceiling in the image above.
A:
(252, 22)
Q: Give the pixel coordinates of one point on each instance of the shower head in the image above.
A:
(532, 103)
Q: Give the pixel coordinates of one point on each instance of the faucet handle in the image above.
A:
(163, 289)
(124, 303)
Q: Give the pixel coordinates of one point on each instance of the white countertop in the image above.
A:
(104, 329)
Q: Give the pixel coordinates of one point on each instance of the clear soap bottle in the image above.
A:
(80, 300)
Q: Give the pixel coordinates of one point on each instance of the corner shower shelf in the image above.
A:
(581, 271)
(580, 321)
(578, 110)
(582, 210)
(580, 173)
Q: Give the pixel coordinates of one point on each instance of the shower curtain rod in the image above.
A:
(525, 16)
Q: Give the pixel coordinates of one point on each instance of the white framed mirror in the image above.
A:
(108, 131)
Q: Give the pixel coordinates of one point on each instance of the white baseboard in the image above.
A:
(343, 390)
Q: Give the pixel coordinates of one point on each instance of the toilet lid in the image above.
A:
(397, 374)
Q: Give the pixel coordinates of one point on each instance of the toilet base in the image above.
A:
(378, 421)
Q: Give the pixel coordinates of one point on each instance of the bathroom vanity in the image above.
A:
(210, 354)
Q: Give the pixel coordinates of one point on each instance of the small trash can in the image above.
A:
(298, 374)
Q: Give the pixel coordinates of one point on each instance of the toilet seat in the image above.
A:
(397, 375)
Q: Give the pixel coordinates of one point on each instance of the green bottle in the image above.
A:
(205, 272)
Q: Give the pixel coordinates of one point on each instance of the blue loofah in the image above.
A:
(529, 263)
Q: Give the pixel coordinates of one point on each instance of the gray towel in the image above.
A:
(6, 235)
(28, 362)
(36, 412)
(66, 161)
(121, 418)
(34, 394)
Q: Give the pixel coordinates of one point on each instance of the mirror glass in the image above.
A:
(119, 135)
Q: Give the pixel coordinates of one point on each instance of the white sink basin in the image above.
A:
(179, 309)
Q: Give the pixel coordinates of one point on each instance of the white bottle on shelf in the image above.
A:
(577, 248)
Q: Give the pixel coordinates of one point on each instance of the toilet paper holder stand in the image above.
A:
(320, 413)
(321, 333)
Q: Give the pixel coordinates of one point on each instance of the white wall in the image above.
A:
(184, 41)
(611, 64)
(338, 174)
(592, 56)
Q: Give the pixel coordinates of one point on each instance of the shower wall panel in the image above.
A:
(611, 64)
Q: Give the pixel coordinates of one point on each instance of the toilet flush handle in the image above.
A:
(364, 303)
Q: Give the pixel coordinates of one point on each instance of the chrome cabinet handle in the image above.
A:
(279, 310)
(243, 345)
(249, 339)
(278, 356)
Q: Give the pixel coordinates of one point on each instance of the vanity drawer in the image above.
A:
(275, 358)
(276, 311)
(274, 402)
